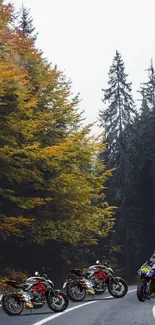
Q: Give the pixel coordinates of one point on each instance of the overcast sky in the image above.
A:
(81, 37)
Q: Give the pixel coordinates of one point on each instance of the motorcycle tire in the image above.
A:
(59, 302)
(72, 295)
(141, 292)
(9, 308)
(115, 293)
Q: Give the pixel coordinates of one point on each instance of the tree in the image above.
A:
(148, 89)
(144, 163)
(119, 113)
(25, 24)
(49, 172)
(117, 120)
(141, 189)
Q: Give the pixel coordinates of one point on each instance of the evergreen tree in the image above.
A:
(148, 88)
(117, 120)
(141, 184)
(119, 112)
(25, 24)
(146, 151)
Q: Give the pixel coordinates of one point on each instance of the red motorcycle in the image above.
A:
(96, 280)
(33, 293)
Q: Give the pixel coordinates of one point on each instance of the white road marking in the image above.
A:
(153, 310)
(45, 320)
(0, 299)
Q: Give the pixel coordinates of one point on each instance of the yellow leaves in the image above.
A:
(50, 161)
(10, 70)
(55, 150)
(5, 15)
(13, 226)
(29, 203)
(31, 103)
(34, 146)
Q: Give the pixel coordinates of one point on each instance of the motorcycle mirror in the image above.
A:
(45, 276)
(97, 262)
(36, 273)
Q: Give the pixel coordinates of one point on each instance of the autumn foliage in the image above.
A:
(51, 182)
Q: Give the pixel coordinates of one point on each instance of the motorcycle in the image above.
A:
(96, 280)
(100, 285)
(33, 294)
(146, 285)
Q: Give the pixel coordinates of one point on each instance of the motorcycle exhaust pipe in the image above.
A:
(90, 292)
(26, 300)
(88, 286)
(28, 305)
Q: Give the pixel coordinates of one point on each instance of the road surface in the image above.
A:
(102, 310)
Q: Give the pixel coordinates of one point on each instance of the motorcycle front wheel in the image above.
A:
(75, 291)
(58, 302)
(12, 305)
(142, 294)
(119, 289)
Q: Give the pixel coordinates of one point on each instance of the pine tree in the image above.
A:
(119, 113)
(148, 88)
(141, 185)
(117, 120)
(146, 152)
(25, 24)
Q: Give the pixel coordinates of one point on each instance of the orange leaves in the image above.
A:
(12, 80)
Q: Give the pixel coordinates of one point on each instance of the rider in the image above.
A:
(151, 262)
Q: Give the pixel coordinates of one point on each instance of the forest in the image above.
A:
(68, 197)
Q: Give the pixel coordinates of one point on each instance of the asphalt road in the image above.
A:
(102, 310)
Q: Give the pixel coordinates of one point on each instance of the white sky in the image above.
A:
(81, 37)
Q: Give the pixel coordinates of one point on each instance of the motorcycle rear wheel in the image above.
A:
(75, 291)
(142, 295)
(59, 302)
(114, 289)
(12, 305)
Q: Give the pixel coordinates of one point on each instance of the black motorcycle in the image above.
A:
(32, 294)
(96, 280)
